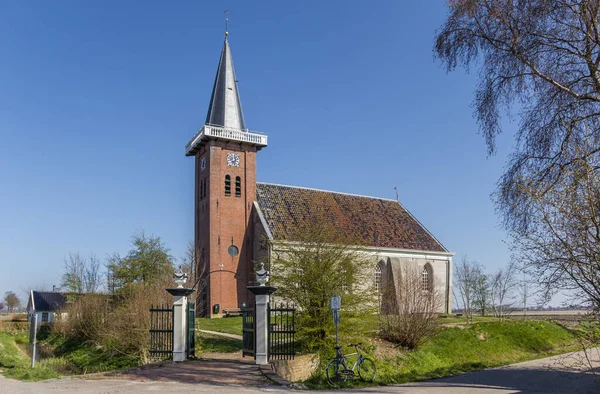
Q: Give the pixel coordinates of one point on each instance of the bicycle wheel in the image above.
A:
(367, 370)
(336, 372)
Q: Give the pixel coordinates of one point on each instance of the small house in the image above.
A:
(46, 305)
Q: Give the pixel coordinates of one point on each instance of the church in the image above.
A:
(233, 212)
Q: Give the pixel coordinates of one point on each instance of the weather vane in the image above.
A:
(226, 22)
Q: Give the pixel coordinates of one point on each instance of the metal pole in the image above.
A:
(34, 339)
(335, 316)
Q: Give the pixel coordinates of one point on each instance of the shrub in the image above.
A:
(409, 311)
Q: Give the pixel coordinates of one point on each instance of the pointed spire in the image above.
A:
(225, 108)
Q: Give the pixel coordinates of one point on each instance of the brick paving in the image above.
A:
(216, 368)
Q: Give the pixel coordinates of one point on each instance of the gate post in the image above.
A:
(180, 317)
(261, 317)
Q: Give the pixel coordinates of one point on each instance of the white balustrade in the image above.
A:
(226, 133)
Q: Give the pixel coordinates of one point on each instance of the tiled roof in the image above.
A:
(48, 301)
(374, 221)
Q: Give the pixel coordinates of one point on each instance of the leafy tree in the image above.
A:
(542, 58)
(146, 264)
(11, 300)
(318, 264)
(1, 305)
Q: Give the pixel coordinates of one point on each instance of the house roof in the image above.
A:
(46, 301)
(377, 222)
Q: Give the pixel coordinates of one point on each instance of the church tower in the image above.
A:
(225, 189)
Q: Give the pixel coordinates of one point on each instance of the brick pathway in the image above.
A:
(218, 369)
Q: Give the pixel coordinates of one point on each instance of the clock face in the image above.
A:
(233, 160)
(203, 164)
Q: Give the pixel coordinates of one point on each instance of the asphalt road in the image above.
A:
(560, 374)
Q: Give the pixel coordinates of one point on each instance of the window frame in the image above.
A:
(228, 185)
(238, 186)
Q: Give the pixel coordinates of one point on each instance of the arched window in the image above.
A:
(426, 277)
(227, 185)
(204, 182)
(238, 186)
(378, 278)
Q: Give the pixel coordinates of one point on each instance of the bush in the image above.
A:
(116, 326)
(409, 312)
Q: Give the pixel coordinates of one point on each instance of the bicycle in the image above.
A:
(338, 372)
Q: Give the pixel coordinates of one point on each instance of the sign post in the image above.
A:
(335, 307)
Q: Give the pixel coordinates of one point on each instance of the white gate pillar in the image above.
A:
(261, 319)
(180, 317)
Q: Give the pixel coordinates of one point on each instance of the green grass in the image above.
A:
(481, 345)
(88, 358)
(17, 365)
(229, 325)
(68, 358)
(463, 319)
(208, 343)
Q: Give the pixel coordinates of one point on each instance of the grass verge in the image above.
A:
(15, 363)
(456, 350)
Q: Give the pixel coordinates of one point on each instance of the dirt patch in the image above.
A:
(386, 350)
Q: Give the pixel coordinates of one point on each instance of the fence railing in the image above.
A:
(281, 331)
(161, 331)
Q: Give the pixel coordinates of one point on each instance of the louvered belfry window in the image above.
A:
(227, 185)
(238, 186)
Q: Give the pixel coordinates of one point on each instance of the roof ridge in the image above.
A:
(328, 191)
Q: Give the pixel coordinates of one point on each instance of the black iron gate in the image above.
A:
(281, 332)
(248, 330)
(191, 330)
(161, 332)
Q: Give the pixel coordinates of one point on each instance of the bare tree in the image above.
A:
(503, 284)
(81, 275)
(561, 249)
(12, 301)
(481, 290)
(194, 265)
(465, 277)
(411, 310)
(543, 56)
(92, 277)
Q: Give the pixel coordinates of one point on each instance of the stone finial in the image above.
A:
(180, 278)
(262, 275)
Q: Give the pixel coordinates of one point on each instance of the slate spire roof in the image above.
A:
(377, 222)
(225, 108)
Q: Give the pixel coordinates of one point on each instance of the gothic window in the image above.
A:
(378, 278)
(426, 277)
(238, 186)
(227, 185)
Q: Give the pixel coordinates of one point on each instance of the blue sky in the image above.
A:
(99, 99)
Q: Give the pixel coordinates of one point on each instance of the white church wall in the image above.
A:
(441, 264)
